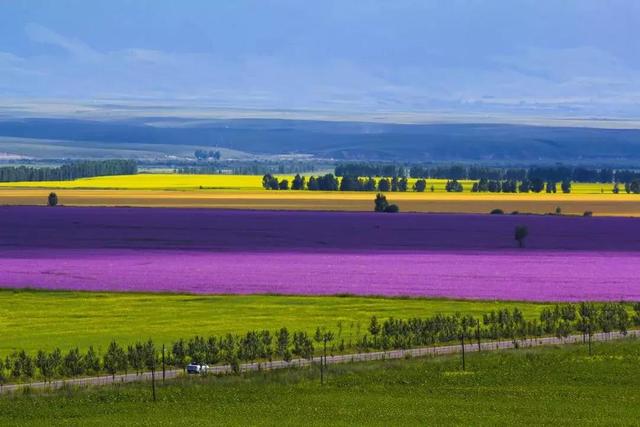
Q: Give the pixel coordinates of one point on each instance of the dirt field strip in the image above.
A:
(576, 204)
(347, 358)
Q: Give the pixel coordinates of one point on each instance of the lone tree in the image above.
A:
(381, 203)
(521, 233)
(53, 199)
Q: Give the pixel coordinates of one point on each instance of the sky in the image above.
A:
(570, 58)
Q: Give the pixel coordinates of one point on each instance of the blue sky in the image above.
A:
(576, 58)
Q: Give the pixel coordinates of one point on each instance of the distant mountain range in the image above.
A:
(485, 143)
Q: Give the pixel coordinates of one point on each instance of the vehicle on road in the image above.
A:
(196, 368)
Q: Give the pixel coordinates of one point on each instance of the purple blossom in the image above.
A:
(212, 251)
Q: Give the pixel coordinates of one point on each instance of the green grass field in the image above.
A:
(33, 320)
(559, 386)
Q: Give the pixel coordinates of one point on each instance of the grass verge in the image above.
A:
(556, 385)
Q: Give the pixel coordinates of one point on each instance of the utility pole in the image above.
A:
(462, 339)
(163, 366)
(153, 381)
(323, 360)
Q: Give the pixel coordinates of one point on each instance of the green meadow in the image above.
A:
(33, 320)
(543, 386)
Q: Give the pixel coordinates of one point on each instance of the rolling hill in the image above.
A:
(488, 143)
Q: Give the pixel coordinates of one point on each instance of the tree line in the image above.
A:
(265, 345)
(68, 172)
(330, 182)
(536, 185)
(629, 187)
(207, 155)
(470, 172)
(247, 167)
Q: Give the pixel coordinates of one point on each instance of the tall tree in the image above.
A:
(282, 345)
(380, 203)
(420, 185)
(297, 183)
(520, 234)
(113, 359)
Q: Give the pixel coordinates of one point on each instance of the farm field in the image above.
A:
(35, 320)
(557, 385)
(245, 192)
(320, 253)
(574, 204)
(173, 181)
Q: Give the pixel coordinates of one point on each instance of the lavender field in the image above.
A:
(212, 251)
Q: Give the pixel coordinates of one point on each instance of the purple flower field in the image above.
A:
(210, 251)
(540, 276)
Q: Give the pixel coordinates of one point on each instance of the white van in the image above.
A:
(196, 368)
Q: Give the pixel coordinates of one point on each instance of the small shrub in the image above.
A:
(558, 211)
(515, 213)
(587, 213)
(392, 208)
(52, 199)
(497, 212)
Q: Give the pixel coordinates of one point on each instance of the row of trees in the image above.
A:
(207, 155)
(629, 187)
(71, 171)
(370, 169)
(551, 173)
(329, 182)
(464, 172)
(560, 321)
(249, 167)
(510, 186)
(265, 345)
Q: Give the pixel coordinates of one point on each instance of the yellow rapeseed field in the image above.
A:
(152, 182)
(172, 181)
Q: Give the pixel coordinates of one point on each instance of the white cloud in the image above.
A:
(77, 48)
(582, 78)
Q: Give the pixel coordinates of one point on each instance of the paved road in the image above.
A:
(356, 357)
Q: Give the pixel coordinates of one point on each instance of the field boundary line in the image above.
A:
(344, 358)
